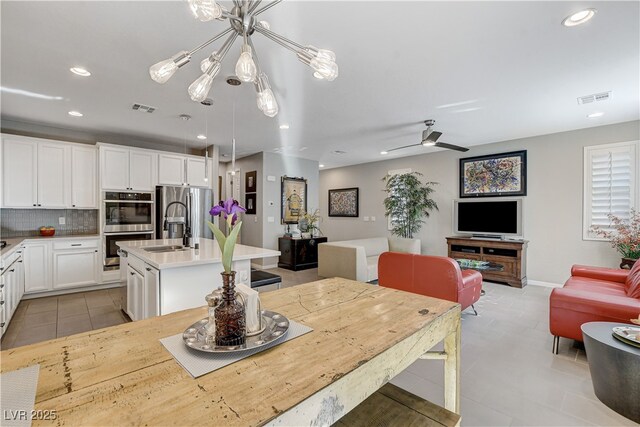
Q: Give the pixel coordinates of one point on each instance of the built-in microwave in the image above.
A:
(122, 212)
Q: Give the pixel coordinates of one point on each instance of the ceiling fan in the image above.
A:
(430, 139)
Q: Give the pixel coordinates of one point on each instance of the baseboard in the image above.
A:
(263, 267)
(74, 290)
(543, 284)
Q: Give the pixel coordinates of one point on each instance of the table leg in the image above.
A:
(452, 369)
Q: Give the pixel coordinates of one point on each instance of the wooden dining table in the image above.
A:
(363, 335)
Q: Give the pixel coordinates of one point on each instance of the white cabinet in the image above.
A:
(54, 175)
(135, 289)
(174, 169)
(11, 289)
(125, 169)
(151, 293)
(171, 169)
(142, 167)
(19, 173)
(37, 267)
(48, 174)
(84, 177)
(75, 263)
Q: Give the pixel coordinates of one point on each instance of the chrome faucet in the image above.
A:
(186, 237)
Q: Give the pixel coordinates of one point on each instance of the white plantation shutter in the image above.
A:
(611, 183)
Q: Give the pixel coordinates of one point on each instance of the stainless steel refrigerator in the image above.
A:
(175, 215)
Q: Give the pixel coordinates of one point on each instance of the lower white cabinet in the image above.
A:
(74, 268)
(135, 294)
(37, 267)
(11, 289)
(151, 292)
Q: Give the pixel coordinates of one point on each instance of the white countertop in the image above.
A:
(14, 243)
(209, 253)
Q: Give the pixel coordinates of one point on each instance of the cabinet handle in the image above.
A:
(2, 325)
(12, 270)
(2, 286)
(148, 269)
(96, 250)
(1, 303)
(76, 244)
(39, 204)
(35, 204)
(73, 206)
(133, 274)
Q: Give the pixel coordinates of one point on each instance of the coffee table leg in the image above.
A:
(452, 369)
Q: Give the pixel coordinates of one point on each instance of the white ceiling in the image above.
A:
(510, 67)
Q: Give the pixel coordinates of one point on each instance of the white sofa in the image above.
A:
(358, 259)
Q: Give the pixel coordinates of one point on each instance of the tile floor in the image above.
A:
(509, 375)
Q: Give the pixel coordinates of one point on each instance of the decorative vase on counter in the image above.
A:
(230, 314)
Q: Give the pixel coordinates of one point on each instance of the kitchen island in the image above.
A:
(163, 277)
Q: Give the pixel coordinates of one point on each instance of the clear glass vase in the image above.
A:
(230, 319)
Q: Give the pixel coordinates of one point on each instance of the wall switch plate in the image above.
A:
(366, 218)
(270, 219)
(62, 220)
(255, 219)
(373, 218)
(271, 178)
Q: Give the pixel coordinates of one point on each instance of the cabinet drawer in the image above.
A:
(75, 244)
(136, 263)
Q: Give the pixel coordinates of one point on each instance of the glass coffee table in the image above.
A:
(470, 264)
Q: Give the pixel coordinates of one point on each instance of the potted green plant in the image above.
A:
(624, 235)
(308, 223)
(408, 201)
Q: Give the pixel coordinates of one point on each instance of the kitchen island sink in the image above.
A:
(170, 248)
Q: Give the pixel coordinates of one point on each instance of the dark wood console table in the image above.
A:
(299, 254)
(511, 254)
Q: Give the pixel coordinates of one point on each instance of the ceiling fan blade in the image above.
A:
(451, 146)
(401, 148)
(432, 137)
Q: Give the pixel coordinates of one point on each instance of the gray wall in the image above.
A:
(251, 233)
(552, 207)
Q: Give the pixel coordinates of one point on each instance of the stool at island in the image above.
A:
(260, 278)
(511, 255)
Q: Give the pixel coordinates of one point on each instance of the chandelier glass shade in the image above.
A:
(243, 23)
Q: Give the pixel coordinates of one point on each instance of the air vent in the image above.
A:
(143, 108)
(596, 97)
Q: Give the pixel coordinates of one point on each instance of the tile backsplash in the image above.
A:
(26, 222)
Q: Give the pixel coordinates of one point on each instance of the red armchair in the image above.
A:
(593, 294)
(433, 276)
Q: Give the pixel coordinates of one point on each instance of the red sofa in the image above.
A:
(593, 294)
(433, 276)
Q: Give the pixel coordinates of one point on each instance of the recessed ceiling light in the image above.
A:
(80, 71)
(321, 166)
(284, 126)
(594, 115)
(384, 152)
(201, 137)
(578, 18)
(75, 113)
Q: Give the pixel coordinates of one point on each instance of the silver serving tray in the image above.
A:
(195, 336)
(629, 334)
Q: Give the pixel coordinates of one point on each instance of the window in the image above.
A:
(610, 183)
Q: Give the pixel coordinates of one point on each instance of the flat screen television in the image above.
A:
(493, 219)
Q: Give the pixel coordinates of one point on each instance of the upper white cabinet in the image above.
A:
(174, 169)
(19, 173)
(84, 177)
(125, 169)
(36, 173)
(54, 175)
(48, 174)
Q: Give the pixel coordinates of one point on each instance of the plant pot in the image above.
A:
(628, 262)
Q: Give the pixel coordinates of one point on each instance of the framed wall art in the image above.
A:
(250, 183)
(294, 199)
(250, 203)
(343, 202)
(495, 175)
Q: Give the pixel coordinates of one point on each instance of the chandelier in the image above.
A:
(243, 23)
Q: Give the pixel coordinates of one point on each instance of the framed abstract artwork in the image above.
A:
(294, 199)
(250, 203)
(250, 184)
(495, 175)
(343, 202)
